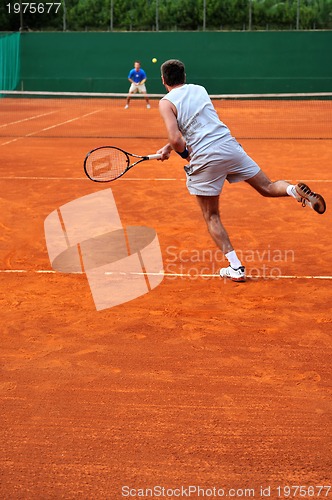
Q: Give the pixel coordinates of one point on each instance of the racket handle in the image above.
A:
(154, 157)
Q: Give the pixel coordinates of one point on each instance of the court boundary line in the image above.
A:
(15, 139)
(123, 179)
(26, 120)
(177, 275)
(149, 137)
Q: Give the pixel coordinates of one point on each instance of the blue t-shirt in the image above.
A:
(137, 76)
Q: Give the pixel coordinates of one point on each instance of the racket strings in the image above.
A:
(106, 164)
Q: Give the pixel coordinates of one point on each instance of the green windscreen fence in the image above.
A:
(9, 61)
(223, 62)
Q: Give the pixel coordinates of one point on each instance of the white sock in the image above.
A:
(291, 191)
(233, 260)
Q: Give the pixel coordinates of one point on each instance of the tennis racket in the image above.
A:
(107, 163)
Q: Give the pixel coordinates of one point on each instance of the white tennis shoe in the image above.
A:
(238, 274)
(310, 199)
(126, 106)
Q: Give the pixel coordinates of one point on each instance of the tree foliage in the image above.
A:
(165, 15)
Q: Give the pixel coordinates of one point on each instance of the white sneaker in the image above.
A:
(148, 106)
(308, 198)
(238, 274)
(126, 106)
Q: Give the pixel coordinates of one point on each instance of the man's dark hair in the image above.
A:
(173, 72)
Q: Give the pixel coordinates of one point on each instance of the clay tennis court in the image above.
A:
(200, 382)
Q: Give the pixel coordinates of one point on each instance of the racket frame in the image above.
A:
(129, 166)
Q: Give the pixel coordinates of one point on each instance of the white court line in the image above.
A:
(22, 178)
(180, 275)
(48, 128)
(123, 179)
(84, 179)
(26, 119)
(67, 121)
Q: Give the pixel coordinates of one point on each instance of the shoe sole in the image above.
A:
(238, 280)
(317, 201)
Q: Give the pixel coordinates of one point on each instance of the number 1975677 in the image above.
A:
(33, 8)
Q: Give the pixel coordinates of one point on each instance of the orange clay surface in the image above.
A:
(200, 382)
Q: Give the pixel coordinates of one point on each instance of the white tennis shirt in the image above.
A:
(198, 122)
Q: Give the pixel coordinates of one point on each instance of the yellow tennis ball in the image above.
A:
(154, 60)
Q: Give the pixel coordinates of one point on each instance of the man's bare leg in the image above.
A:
(266, 187)
(210, 209)
(301, 192)
(147, 100)
(127, 101)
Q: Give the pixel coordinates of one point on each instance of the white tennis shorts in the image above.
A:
(141, 89)
(228, 162)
